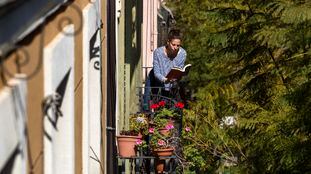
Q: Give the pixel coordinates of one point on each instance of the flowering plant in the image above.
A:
(164, 114)
(139, 123)
(163, 128)
(160, 140)
(140, 145)
(162, 109)
(172, 140)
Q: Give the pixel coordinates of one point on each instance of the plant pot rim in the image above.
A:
(127, 136)
(164, 149)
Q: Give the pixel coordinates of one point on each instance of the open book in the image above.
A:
(177, 73)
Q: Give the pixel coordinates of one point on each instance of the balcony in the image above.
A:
(145, 161)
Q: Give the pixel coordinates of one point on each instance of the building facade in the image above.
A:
(69, 72)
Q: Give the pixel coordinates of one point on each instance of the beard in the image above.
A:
(170, 52)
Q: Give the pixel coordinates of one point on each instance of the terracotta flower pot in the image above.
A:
(164, 131)
(126, 145)
(160, 163)
(140, 135)
(164, 152)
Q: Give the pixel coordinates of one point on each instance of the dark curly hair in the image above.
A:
(174, 34)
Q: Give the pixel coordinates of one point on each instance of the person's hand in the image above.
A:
(173, 80)
(165, 80)
(169, 81)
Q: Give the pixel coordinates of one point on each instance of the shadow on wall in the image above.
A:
(133, 23)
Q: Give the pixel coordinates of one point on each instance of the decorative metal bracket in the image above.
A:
(22, 55)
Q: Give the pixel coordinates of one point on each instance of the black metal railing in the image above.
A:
(147, 164)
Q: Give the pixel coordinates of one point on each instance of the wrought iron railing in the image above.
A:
(147, 164)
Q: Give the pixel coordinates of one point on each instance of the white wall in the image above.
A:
(13, 127)
(59, 71)
(91, 89)
(150, 32)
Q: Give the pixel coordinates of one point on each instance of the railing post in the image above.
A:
(137, 165)
(123, 166)
(152, 166)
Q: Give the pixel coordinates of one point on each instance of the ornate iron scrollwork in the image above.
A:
(67, 19)
(22, 55)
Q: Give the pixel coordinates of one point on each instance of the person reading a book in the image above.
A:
(165, 58)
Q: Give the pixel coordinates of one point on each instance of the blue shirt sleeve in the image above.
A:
(180, 62)
(156, 65)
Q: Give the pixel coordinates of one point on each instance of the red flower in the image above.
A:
(179, 105)
(154, 106)
(162, 103)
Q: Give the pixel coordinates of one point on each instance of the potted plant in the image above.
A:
(164, 138)
(139, 124)
(164, 114)
(159, 140)
(163, 126)
(162, 144)
(128, 140)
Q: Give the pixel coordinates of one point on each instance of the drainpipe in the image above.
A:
(111, 162)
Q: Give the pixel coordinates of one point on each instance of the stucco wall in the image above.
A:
(34, 44)
(59, 143)
(92, 93)
(13, 118)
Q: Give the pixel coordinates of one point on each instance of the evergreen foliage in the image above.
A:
(251, 61)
